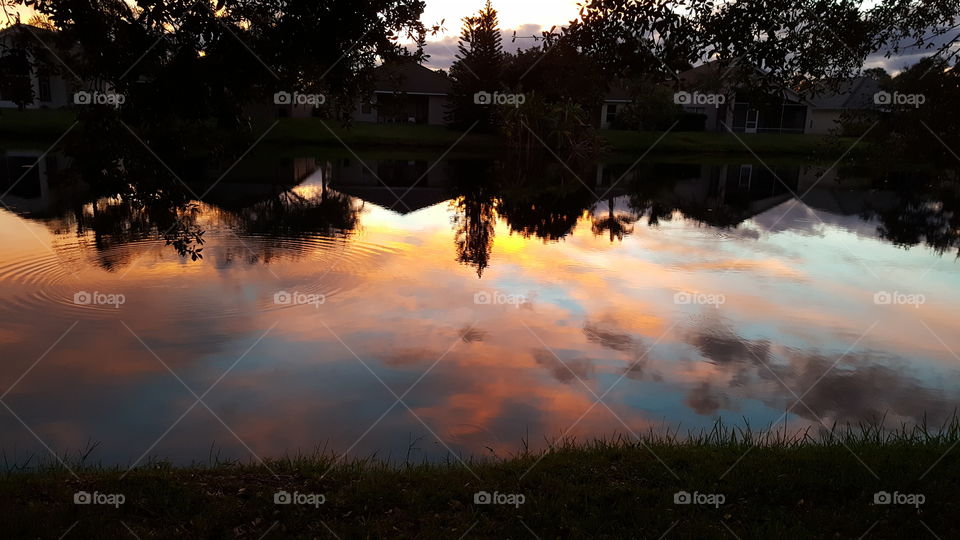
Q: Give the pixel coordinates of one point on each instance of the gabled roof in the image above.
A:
(619, 91)
(717, 76)
(411, 78)
(23, 28)
(857, 93)
(711, 75)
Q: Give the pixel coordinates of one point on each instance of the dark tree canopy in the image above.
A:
(196, 60)
(792, 41)
(478, 68)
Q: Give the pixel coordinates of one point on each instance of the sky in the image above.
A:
(512, 14)
(527, 18)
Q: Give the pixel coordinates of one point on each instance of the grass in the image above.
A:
(33, 126)
(363, 135)
(308, 135)
(698, 143)
(812, 486)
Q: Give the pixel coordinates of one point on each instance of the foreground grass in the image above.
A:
(772, 488)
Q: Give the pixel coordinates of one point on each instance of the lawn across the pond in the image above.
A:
(309, 133)
(858, 484)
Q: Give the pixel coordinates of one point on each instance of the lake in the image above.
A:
(439, 314)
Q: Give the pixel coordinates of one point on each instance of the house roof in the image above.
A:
(711, 75)
(856, 93)
(411, 78)
(717, 76)
(619, 91)
(21, 29)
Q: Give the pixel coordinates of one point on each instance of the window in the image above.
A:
(611, 113)
(43, 84)
(367, 107)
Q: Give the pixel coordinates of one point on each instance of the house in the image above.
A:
(402, 186)
(764, 109)
(614, 103)
(830, 102)
(718, 92)
(29, 70)
(406, 93)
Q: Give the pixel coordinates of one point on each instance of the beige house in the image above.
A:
(50, 89)
(827, 106)
(406, 93)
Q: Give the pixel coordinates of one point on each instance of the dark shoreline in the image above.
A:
(749, 487)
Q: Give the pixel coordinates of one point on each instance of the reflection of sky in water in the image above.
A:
(797, 300)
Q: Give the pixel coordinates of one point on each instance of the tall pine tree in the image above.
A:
(478, 68)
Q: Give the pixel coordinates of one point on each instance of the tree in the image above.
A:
(478, 68)
(920, 107)
(212, 59)
(555, 70)
(791, 40)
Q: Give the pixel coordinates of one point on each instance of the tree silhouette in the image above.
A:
(616, 225)
(475, 220)
(790, 40)
(478, 68)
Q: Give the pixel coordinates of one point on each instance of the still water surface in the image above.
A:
(326, 314)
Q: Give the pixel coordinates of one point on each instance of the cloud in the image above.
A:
(858, 386)
(908, 56)
(442, 52)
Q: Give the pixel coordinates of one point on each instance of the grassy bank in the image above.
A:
(307, 135)
(697, 143)
(749, 487)
(33, 127)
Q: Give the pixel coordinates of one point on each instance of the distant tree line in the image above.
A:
(565, 75)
